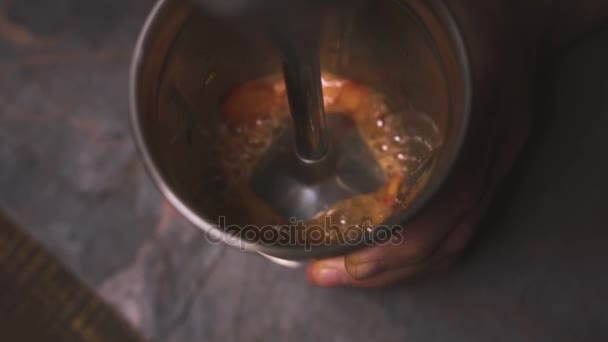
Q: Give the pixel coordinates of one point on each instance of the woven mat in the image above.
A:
(41, 301)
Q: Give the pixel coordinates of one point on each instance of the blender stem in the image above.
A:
(295, 28)
(303, 81)
(298, 40)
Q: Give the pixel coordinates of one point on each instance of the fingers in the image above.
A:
(440, 232)
(339, 271)
(422, 237)
(333, 273)
(385, 264)
(417, 246)
(434, 238)
(328, 272)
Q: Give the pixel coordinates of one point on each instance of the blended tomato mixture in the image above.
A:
(255, 110)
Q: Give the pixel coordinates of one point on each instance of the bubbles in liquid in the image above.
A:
(396, 149)
(255, 142)
(237, 129)
(210, 77)
(367, 223)
(388, 122)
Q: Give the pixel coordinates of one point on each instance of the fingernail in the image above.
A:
(328, 277)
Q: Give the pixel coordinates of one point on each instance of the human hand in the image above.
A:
(506, 40)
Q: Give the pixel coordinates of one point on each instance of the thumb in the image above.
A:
(333, 273)
(328, 272)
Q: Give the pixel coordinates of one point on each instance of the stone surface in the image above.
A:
(70, 174)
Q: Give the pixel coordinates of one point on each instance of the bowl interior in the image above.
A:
(188, 62)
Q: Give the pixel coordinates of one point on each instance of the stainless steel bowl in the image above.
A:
(186, 61)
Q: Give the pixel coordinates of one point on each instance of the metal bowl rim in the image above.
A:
(292, 252)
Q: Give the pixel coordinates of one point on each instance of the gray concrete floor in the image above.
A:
(69, 173)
